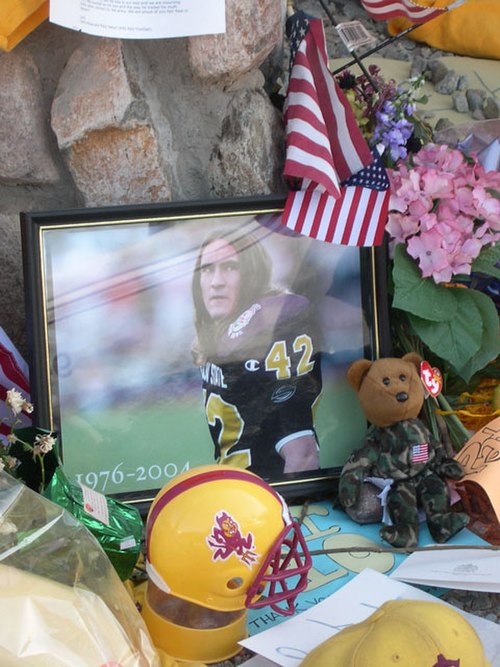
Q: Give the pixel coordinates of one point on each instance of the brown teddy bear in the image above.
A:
(399, 447)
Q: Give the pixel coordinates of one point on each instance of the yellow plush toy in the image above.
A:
(471, 29)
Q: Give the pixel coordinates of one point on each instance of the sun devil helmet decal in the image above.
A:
(444, 662)
(226, 539)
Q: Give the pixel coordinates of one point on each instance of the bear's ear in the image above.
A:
(414, 359)
(357, 371)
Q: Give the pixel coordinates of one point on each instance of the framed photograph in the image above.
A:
(163, 337)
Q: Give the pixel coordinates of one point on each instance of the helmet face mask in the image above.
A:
(217, 537)
(278, 570)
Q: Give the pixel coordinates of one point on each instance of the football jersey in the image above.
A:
(262, 383)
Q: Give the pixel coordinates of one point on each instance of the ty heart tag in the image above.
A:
(432, 378)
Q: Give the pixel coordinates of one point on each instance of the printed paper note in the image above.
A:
(140, 19)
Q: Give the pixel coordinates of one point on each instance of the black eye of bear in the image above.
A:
(402, 377)
(386, 381)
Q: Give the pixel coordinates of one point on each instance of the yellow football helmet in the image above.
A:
(216, 538)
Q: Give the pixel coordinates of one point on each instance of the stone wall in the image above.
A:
(87, 121)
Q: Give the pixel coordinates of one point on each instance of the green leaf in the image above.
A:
(470, 340)
(417, 295)
(490, 342)
(488, 261)
(455, 340)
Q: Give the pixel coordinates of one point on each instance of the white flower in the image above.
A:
(11, 438)
(44, 443)
(8, 463)
(12, 462)
(17, 403)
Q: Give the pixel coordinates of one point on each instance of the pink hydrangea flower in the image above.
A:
(433, 260)
(437, 184)
(445, 208)
(401, 227)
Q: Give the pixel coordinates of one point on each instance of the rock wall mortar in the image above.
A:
(87, 121)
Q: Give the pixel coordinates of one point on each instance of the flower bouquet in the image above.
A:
(386, 112)
(443, 230)
(444, 222)
(26, 453)
(444, 225)
(29, 455)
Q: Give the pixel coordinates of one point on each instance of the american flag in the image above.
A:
(416, 12)
(13, 375)
(356, 218)
(343, 192)
(420, 453)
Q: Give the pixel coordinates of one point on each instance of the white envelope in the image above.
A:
(464, 569)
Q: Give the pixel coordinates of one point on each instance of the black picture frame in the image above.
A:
(110, 325)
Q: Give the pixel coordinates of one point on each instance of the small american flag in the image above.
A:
(416, 12)
(341, 191)
(420, 453)
(356, 218)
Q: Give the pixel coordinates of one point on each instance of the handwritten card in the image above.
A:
(480, 457)
(287, 644)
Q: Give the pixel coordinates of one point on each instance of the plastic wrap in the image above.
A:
(61, 601)
(119, 533)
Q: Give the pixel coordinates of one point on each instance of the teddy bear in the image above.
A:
(400, 448)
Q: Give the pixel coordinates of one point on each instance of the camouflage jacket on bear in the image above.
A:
(402, 451)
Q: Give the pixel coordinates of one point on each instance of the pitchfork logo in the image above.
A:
(226, 539)
(444, 662)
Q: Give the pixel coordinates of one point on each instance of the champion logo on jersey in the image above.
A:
(236, 328)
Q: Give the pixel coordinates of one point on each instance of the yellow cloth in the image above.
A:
(18, 18)
(471, 29)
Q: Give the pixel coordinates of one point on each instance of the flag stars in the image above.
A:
(324, 146)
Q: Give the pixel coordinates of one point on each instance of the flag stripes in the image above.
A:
(324, 142)
(420, 453)
(341, 190)
(352, 219)
(414, 11)
(13, 375)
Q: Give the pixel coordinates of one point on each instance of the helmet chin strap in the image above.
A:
(157, 580)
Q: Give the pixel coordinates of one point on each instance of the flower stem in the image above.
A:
(460, 431)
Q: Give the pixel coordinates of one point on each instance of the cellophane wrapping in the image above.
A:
(120, 536)
(62, 602)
